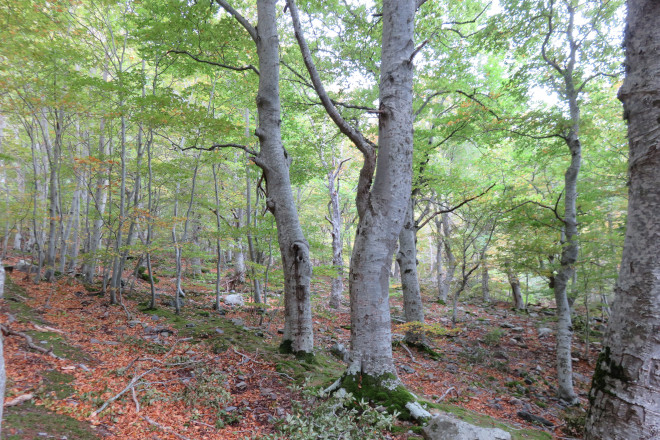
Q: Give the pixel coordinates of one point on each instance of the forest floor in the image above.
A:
(208, 374)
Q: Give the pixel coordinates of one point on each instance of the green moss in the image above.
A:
(375, 389)
(489, 422)
(143, 275)
(26, 421)
(56, 384)
(606, 369)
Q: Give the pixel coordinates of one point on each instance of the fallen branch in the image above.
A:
(30, 343)
(18, 400)
(165, 428)
(45, 328)
(246, 357)
(412, 358)
(130, 386)
(447, 392)
(135, 400)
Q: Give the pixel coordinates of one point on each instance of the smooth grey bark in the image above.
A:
(218, 226)
(251, 246)
(334, 218)
(150, 223)
(54, 153)
(625, 392)
(3, 371)
(569, 239)
(514, 282)
(274, 160)
(445, 281)
(382, 206)
(5, 240)
(100, 199)
(485, 279)
(116, 265)
(407, 259)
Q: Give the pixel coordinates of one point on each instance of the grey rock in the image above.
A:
(518, 329)
(534, 419)
(219, 331)
(446, 427)
(190, 325)
(241, 385)
(94, 341)
(544, 331)
(134, 323)
(238, 322)
(407, 369)
(235, 299)
(230, 409)
(507, 325)
(155, 317)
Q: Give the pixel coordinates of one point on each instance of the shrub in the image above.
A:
(341, 415)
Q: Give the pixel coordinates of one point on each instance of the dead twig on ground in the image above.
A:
(441, 398)
(30, 343)
(165, 428)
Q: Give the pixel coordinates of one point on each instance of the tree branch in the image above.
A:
(242, 20)
(444, 211)
(218, 146)
(213, 63)
(363, 144)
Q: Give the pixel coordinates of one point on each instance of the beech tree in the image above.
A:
(274, 160)
(625, 393)
(382, 203)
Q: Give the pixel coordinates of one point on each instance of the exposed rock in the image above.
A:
(407, 369)
(417, 412)
(544, 331)
(219, 331)
(235, 299)
(446, 427)
(507, 325)
(134, 323)
(534, 419)
(518, 329)
(190, 325)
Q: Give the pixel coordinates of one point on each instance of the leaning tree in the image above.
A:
(625, 392)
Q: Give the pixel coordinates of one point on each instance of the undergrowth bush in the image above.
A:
(339, 416)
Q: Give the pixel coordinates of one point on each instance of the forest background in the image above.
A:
(128, 143)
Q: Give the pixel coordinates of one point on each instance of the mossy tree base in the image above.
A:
(385, 390)
(286, 347)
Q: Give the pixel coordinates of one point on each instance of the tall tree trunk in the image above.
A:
(485, 278)
(514, 282)
(54, 151)
(625, 393)
(569, 239)
(100, 198)
(445, 284)
(407, 259)
(334, 218)
(3, 371)
(116, 265)
(383, 208)
(218, 225)
(275, 162)
(150, 223)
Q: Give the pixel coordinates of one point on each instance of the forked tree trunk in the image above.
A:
(625, 393)
(275, 162)
(384, 207)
